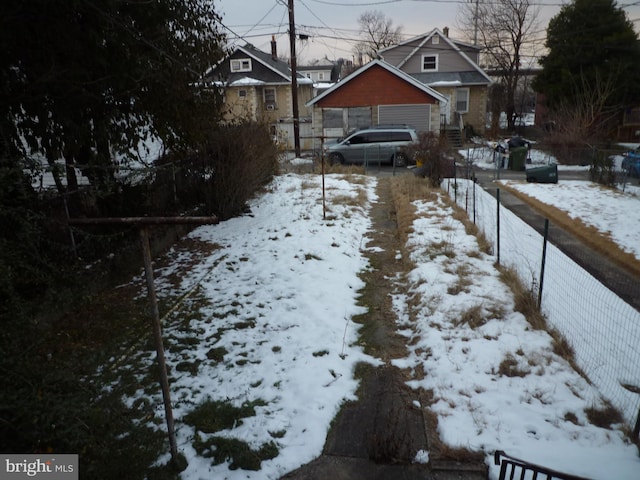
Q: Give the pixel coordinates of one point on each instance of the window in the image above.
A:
(321, 76)
(241, 65)
(377, 137)
(462, 100)
(332, 118)
(242, 93)
(358, 117)
(429, 63)
(270, 98)
(400, 137)
(435, 40)
(358, 139)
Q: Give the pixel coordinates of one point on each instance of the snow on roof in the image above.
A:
(323, 85)
(248, 81)
(444, 83)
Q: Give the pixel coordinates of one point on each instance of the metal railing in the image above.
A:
(512, 468)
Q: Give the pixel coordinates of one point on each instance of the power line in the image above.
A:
(386, 2)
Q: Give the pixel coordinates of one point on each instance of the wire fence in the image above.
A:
(602, 329)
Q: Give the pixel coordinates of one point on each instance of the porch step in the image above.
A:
(454, 137)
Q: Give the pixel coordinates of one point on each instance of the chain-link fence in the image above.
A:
(602, 329)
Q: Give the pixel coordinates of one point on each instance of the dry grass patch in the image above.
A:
(405, 190)
(527, 304)
(356, 178)
(439, 451)
(474, 317)
(509, 367)
(604, 417)
(470, 228)
(591, 236)
(304, 185)
(525, 298)
(359, 200)
(344, 169)
(463, 282)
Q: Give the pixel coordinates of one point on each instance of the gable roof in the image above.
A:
(480, 78)
(278, 71)
(322, 64)
(390, 68)
(427, 36)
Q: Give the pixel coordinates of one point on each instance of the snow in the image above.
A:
(246, 81)
(610, 211)
(445, 83)
(278, 291)
(131, 168)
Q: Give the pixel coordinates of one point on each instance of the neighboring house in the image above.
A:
(322, 71)
(257, 86)
(629, 128)
(451, 68)
(375, 94)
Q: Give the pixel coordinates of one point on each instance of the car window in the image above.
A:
(377, 137)
(401, 136)
(357, 139)
(381, 136)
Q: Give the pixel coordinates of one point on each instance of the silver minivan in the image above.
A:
(381, 144)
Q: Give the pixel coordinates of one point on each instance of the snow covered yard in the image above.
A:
(496, 381)
(266, 332)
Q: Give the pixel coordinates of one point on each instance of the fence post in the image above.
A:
(157, 334)
(474, 201)
(498, 223)
(324, 201)
(466, 199)
(544, 259)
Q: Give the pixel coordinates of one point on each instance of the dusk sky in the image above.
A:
(332, 25)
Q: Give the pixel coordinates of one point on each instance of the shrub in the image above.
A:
(431, 154)
(235, 162)
(602, 170)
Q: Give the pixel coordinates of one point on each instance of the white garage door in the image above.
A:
(416, 116)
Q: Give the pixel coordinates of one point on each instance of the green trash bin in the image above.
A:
(546, 174)
(517, 158)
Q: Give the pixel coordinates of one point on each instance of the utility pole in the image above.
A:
(294, 80)
(475, 23)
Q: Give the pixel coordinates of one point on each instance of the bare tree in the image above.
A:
(376, 32)
(580, 124)
(504, 29)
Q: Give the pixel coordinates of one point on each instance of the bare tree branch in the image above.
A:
(376, 32)
(503, 29)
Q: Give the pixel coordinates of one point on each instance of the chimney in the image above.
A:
(274, 49)
(445, 30)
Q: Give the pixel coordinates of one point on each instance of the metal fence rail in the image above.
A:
(513, 468)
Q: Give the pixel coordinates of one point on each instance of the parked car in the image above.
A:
(381, 144)
(631, 163)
